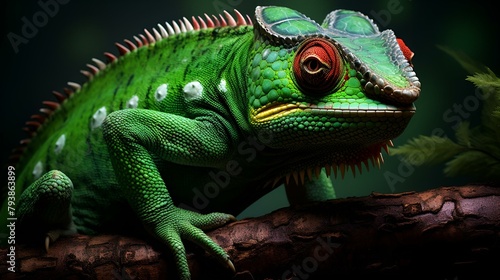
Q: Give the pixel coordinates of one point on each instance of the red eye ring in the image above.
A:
(317, 66)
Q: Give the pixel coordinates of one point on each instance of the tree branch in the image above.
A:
(444, 233)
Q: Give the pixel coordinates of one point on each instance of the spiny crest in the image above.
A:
(299, 176)
(149, 37)
(164, 31)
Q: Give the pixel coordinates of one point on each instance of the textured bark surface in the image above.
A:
(444, 233)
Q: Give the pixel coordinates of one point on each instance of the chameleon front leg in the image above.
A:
(317, 189)
(44, 208)
(131, 137)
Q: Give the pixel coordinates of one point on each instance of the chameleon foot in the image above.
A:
(184, 224)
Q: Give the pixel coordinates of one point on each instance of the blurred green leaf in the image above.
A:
(476, 163)
(476, 150)
(465, 61)
(427, 150)
(463, 134)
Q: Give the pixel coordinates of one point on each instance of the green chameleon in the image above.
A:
(202, 117)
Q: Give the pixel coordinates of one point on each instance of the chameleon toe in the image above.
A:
(47, 243)
(230, 264)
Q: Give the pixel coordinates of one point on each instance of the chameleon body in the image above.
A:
(208, 115)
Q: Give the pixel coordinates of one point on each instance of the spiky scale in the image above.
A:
(217, 22)
(138, 41)
(52, 105)
(130, 45)
(182, 26)
(223, 21)
(240, 18)
(149, 37)
(189, 26)
(122, 49)
(170, 29)
(87, 74)
(38, 118)
(33, 124)
(328, 168)
(111, 57)
(74, 86)
(210, 23)
(157, 35)
(203, 24)
(99, 63)
(230, 20)
(144, 40)
(177, 29)
(59, 96)
(163, 31)
(195, 23)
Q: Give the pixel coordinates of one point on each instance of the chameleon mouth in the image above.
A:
(275, 110)
(338, 109)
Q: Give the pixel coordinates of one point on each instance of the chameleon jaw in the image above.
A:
(273, 111)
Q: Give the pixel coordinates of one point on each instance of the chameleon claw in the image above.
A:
(51, 237)
(47, 243)
(231, 265)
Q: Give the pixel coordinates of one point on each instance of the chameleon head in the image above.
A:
(342, 86)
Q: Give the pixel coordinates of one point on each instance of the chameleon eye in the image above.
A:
(317, 66)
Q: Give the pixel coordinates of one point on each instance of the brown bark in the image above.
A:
(444, 233)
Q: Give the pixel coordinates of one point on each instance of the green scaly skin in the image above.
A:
(211, 119)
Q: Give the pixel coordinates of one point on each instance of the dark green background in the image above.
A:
(81, 30)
